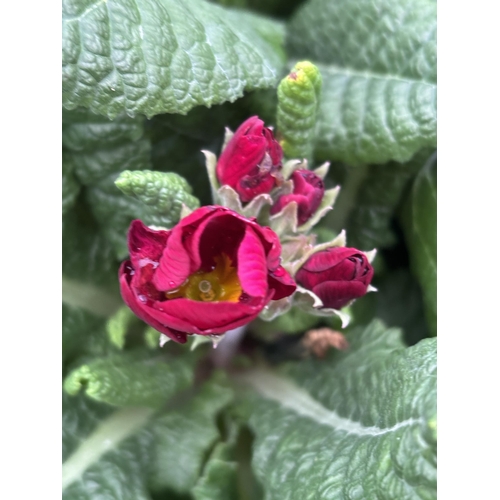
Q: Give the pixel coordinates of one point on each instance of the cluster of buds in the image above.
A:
(252, 253)
(291, 199)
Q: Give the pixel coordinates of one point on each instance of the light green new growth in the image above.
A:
(126, 380)
(297, 113)
(164, 193)
(118, 325)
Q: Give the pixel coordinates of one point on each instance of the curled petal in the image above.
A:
(140, 309)
(252, 269)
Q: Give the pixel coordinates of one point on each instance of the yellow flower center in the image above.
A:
(219, 284)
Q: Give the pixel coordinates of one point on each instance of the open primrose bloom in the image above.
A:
(251, 161)
(214, 271)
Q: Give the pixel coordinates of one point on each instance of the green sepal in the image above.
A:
(297, 113)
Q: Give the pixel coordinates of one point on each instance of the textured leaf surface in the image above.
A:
(164, 56)
(70, 186)
(87, 256)
(106, 451)
(420, 226)
(219, 480)
(357, 425)
(83, 333)
(379, 76)
(122, 454)
(381, 192)
(183, 438)
(163, 192)
(100, 150)
(130, 379)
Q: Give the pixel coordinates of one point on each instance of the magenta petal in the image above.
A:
(326, 259)
(140, 310)
(175, 264)
(252, 270)
(272, 245)
(145, 243)
(205, 318)
(339, 293)
(282, 283)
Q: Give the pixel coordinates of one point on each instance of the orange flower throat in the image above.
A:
(219, 284)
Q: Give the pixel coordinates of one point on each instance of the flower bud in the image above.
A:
(251, 160)
(336, 275)
(308, 191)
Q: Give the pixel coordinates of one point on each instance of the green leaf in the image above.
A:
(100, 150)
(184, 436)
(370, 220)
(219, 479)
(358, 424)
(379, 76)
(119, 454)
(398, 303)
(164, 56)
(80, 416)
(131, 379)
(420, 227)
(83, 333)
(87, 256)
(164, 193)
(70, 186)
(106, 451)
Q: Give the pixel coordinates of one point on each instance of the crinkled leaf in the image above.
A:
(358, 424)
(164, 56)
(397, 288)
(100, 150)
(184, 436)
(106, 451)
(80, 416)
(367, 118)
(163, 193)
(219, 479)
(83, 333)
(121, 454)
(369, 222)
(130, 379)
(420, 228)
(379, 76)
(70, 186)
(87, 256)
